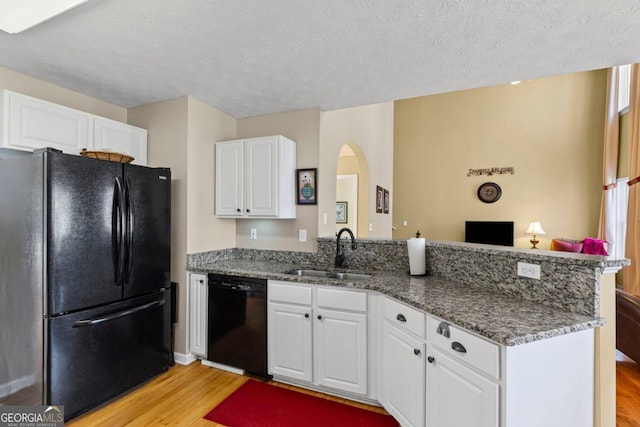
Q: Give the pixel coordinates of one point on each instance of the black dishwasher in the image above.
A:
(237, 323)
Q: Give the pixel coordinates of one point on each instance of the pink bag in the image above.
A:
(594, 246)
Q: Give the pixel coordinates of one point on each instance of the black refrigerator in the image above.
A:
(84, 279)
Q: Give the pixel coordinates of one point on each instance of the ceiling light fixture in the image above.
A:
(18, 15)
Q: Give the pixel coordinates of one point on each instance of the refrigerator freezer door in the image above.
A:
(149, 230)
(95, 355)
(81, 257)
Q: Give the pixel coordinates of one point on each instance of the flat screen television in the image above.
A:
(489, 232)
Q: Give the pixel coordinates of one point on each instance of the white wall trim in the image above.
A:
(17, 384)
(184, 359)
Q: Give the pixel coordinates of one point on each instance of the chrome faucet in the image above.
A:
(340, 256)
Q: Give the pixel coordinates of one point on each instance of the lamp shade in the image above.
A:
(535, 228)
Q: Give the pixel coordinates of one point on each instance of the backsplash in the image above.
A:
(568, 281)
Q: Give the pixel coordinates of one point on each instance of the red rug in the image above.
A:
(256, 404)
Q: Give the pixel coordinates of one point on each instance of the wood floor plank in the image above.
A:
(627, 391)
(180, 397)
(185, 394)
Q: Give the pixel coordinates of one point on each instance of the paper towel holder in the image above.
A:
(418, 233)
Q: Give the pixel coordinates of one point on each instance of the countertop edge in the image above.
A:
(369, 285)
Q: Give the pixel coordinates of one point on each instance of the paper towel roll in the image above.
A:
(417, 257)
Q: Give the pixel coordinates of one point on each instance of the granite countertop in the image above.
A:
(504, 319)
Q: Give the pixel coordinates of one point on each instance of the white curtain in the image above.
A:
(631, 274)
(607, 229)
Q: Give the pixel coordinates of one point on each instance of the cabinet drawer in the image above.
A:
(465, 346)
(293, 294)
(342, 299)
(405, 317)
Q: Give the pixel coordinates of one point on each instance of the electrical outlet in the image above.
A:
(531, 271)
(405, 223)
(302, 235)
(253, 234)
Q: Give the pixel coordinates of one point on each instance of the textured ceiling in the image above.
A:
(253, 57)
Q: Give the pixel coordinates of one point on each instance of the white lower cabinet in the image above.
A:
(403, 376)
(318, 336)
(198, 299)
(458, 396)
(290, 341)
(428, 372)
(341, 350)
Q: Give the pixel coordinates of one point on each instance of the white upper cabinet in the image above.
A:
(255, 178)
(230, 178)
(29, 123)
(120, 137)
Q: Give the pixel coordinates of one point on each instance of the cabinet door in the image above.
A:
(31, 123)
(198, 314)
(458, 396)
(289, 339)
(229, 178)
(403, 376)
(261, 164)
(120, 137)
(341, 350)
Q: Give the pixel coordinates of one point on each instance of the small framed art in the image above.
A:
(386, 201)
(307, 186)
(342, 212)
(379, 199)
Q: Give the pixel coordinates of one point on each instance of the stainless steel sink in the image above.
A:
(311, 273)
(328, 274)
(350, 276)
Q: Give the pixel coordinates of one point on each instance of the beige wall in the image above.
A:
(303, 127)
(371, 128)
(206, 125)
(349, 165)
(550, 130)
(167, 123)
(182, 133)
(30, 86)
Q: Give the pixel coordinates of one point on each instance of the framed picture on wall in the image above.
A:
(342, 212)
(307, 186)
(379, 199)
(386, 201)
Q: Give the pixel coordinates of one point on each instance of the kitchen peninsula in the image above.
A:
(475, 291)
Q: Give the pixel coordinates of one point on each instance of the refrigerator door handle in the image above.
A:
(118, 315)
(129, 230)
(120, 218)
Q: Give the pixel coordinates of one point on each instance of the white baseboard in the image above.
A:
(18, 384)
(184, 359)
(223, 367)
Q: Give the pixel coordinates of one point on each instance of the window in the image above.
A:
(624, 84)
(621, 202)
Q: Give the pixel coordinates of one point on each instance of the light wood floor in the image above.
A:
(179, 397)
(627, 391)
(184, 394)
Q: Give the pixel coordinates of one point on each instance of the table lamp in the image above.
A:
(535, 228)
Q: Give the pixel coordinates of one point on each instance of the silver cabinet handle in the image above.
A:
(458, 347)
(443, 329)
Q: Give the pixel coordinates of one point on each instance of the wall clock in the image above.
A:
(489, 192)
